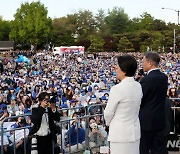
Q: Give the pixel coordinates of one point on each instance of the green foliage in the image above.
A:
(133, 25)
(117, 20)
(111, 31)
(146, 22)
(97, 44)
(85, 24)
(31, 24)
(102, 29)
(62, 32)
(143, 48)
(110, 44)
(125, 45)
(159, 25)
(4, 30)
(156, 41)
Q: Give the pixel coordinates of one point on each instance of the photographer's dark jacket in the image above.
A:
(37, 114)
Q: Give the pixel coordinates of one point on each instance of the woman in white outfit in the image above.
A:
(121, 112)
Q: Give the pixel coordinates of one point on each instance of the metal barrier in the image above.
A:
(174, 113)
(86, 117)
(68, 123)
(94, 115)
(88, 113)
(14, 130)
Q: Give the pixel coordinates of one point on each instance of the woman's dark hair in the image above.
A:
(35, 88)
(18, 102)
(171, 93)
(28, 102)
(92, 118)
(23, 121)
(75, 113)
(153, 57)
(127, 64)
(42, 96)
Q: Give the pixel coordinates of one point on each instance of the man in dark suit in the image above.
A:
(152, 110)
(43, 119)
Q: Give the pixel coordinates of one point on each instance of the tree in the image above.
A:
(85, 24)
(133, 25)
(146, 22)
(159, 25)
(62, 31)
(117, 20)
(4, 29)
(145, 40)
(102, 28)
(31, 24)
(97, 44)
(110, 44)
(157, 41)
(125, 45)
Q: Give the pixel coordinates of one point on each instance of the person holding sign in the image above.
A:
(43, 118)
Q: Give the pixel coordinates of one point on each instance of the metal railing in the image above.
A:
(13, 130)
(86, 117)
(88, 113)
(174, 114)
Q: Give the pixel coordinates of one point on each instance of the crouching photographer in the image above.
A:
(43, 118)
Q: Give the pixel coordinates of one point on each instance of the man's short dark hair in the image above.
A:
(153, 57)
(42, 96)
(128, 64)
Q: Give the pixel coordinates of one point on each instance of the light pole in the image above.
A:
(174, 44)
(175, 11)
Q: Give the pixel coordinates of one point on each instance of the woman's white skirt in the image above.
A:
(124, 148)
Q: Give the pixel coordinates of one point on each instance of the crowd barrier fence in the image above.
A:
(174, 113)
(67, 123)
(86, 118)
(14, 130)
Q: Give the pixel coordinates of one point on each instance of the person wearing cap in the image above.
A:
(43, 118)
(11, 95)
(103, 99)
(93, 99)
(83, 98)
(3, 112)
(122, 110)
(73, 104)
(97, 109)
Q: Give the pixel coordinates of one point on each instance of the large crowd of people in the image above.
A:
(72, 81)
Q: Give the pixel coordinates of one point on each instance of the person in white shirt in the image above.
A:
(122, 110)
(43, 118)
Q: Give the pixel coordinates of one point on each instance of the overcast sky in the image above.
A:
(134, 8)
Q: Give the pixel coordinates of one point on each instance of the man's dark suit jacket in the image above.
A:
(37, 114)
(152, 109)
